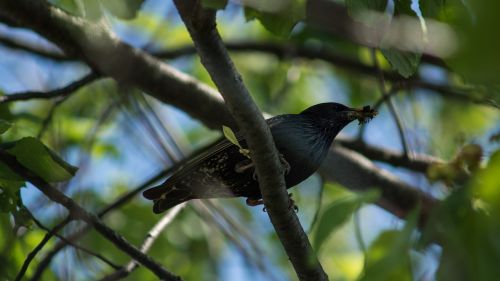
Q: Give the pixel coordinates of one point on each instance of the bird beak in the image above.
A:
(363, 115)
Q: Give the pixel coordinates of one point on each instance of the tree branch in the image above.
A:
(78, 212)
(358, 173)
(74, 245)
(57, 93)
(79, 233)
(104, 53)
(148, 242)
(419, 162)
(201, 26)
(41, 52)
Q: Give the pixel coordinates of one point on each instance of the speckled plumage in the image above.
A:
(302, 139)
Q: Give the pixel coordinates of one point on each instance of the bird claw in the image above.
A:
(291, 204)
(252, 202)
(256, 202)
(243, 166)
(285, 165)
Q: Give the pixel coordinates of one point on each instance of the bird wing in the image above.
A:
(181, 185)
(191, 164)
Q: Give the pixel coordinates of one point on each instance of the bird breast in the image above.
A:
(303, 144)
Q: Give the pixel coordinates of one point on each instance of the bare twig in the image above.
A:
(148, 242)
(234, 225)
(58, 93)
(42, 52)
(74, 245)
(256, 260)
(419, 162)
(359, 173)
(390, 104)
(78, 212)
(79, 233)
(319, 201)
(35, 251)
(201, 26)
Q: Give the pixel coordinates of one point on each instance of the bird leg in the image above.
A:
(252, 202)
(291, 203)
(243, 165)
(285, 165)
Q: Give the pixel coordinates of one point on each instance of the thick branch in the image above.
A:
(418, 162)
(103, 52)
(358, 173)
(78, 212)
(157, 79)
(201, 26)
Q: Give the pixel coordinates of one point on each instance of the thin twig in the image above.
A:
(61, 92)
(146, 245)
(257, 261)
(109, 208)
(390, 104)
(318, 206)
(235, 226)
(74, 245)
(35, 251)
(52, 54)
(80, 213)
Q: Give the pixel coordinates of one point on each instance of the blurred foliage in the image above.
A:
(338, 212)
(114, 138)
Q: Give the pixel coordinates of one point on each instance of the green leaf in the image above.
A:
(230, 136)
(403, 7)
(338, 212)
(9, 195)
(4, 126)
(476, 25)
(214, 4)
(431, 8)
(92, 9)
(358, 9)
(487, 182)
(405, 63)
(388, 258)
(35, 156)
(123, 9)
(279, 17)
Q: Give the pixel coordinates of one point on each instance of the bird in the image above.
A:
(225, 169)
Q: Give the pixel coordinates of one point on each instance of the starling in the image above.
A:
(225, 169)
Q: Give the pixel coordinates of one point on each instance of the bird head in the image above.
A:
(340, 114)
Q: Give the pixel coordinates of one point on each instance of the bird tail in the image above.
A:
(166, 197)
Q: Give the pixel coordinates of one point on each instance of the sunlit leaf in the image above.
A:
(279, 17)
(123, 9)
(230, 136)
(366, 11)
